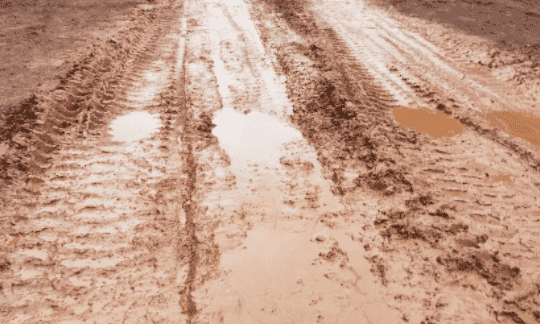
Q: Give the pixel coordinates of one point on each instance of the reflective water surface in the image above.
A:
(134, 126)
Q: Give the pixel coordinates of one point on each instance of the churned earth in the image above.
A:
(265, 161)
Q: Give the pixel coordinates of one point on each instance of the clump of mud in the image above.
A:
(484, 264)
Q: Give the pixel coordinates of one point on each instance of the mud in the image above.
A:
(424, 121)
(423, 213)
(40, 40)
(272, 161)
(518, 124)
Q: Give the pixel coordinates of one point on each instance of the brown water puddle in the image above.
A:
(286, 265)
(435, 124)
(517, 124)
(501, 178)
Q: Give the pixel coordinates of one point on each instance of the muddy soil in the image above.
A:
(40, 39)
(271, 161)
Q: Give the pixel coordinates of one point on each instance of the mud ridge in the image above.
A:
(190, 242)
(341, 101)
(194, 126)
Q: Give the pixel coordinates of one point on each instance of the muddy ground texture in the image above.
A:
(449, 221)
(41, 44)
(437, 224)
(501, 35)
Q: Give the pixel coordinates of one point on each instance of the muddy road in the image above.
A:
(264, 161)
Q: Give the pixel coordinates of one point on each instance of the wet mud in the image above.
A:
(423, 215)
(270, 161)
(40, 40)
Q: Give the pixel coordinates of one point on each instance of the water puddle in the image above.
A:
(134, 126)
(255, 137)
(517, 124)
(435, 124)
(500, 178)
(281, 282)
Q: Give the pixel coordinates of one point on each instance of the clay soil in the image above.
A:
(265, 161)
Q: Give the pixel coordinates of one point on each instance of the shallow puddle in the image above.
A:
(134, 126)
(436, 124)
(282, 283)
(501, 178)
(517, 124)
(255, 137)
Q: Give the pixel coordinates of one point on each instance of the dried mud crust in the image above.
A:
(425, 197)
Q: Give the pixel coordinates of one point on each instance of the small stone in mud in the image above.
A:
(442, 302)
(320, 238)
(314, 48)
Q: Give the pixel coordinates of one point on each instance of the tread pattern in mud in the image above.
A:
(432, 192)
(98, 211)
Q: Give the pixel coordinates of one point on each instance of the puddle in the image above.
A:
(134, 126)
(255, 137)
(281, 283)
(517, 124)
(436, 124)
(500, 178)
(265, 275)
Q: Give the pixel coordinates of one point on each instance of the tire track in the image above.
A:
(87, 250)
(250, 188)
(435, 211)
(428, 77)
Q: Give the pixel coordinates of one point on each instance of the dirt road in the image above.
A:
(261, 161)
